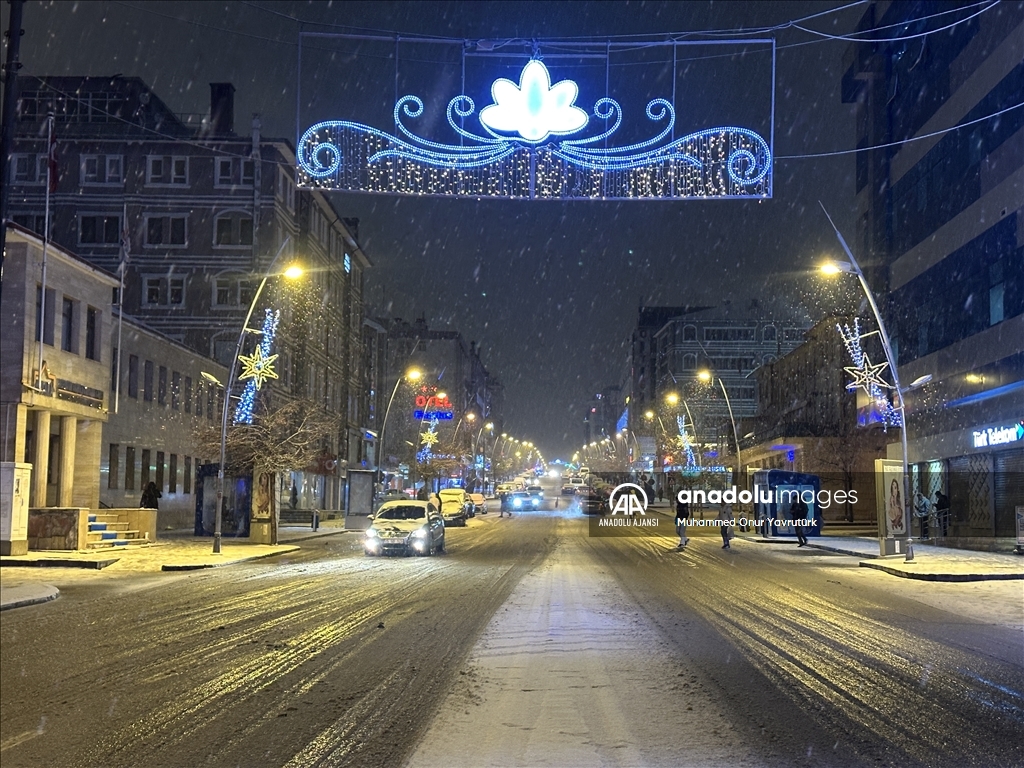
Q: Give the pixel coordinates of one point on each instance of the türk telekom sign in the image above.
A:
(996, 436)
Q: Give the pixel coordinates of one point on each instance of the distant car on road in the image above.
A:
(405, 528)
(568, 489)
(535, 490)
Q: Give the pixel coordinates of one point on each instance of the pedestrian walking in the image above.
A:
(149, 497)
(798, 511)
(724, 526)
(682, 514)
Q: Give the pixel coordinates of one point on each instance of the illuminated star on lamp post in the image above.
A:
(428, 438)
(867, 376)
(258, 367)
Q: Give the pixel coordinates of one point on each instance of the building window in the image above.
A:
(99, 230)
(165, 230)
(113, 370)
(235, 170)
(112, 469)
(224, 171)
(179, 170)
(133, 376)
(29, 169)
(69, 326)
(162, 169)
(768, 334)
(348, 263)
(50, 312)
(210, 395)
(129, 468)
(146, 467)
(186, 477)
(175, 390)
(689, 333)
(153, 290)
(164, 290)
(188, 394)
(176, 291)
(233, 230)
(92, 333)
(172, 474)
(34, 222)
(996, 311)
(199, 400)
(162, 391)
(147, 383)
(159, 470)
(101, 169)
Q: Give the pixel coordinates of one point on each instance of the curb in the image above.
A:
(31, 600)
(838, 550)
(316, 536)
(54, 562)
(202, 566)
(944, 576)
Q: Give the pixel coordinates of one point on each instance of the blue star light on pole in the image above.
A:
(257, 368)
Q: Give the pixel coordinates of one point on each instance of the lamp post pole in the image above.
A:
(890, 358)
(409, 374)
(217, 530)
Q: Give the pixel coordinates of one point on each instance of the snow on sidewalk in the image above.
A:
(570, 673)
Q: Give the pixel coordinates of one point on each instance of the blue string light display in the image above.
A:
(510, 160)
(427, 439)
(867, 376)
(685, 444)
(258, 368)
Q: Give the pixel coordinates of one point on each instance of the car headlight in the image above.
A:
(536, 502)
(419, 533)
(371, 533)
(517, 503)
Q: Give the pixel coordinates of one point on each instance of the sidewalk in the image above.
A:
(930, 563)
(173, 551)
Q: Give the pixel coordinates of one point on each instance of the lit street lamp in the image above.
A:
(852, 267)
(292, 272)
(412, 375)
(707, 376)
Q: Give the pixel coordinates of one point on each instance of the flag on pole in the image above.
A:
(52, 171)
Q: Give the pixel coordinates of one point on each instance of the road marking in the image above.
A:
(21, 738)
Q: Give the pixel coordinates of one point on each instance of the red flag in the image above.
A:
(51, 164)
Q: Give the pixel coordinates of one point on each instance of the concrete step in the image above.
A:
(100, 536)
(114, 543)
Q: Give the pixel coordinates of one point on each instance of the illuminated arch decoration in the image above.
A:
(868, 376)
(257, 368)
(524, 152)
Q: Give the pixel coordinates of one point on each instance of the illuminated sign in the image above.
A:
(433, 406)
(523, 151)
(986, 438)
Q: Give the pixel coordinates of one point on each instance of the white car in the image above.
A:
(405, 528)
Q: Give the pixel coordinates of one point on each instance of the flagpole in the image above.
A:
(120, 302)
(46, 242)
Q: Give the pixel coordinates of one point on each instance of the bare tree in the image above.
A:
(291, 436)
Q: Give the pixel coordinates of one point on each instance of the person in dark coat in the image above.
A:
(150, 496)
(682, 515)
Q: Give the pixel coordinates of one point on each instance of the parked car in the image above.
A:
(479, 503)
(519, 500)
(405, 528)
(391, 494)
(455, 505)
(568, 489)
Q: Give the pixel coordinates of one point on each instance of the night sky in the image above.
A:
(549, 289)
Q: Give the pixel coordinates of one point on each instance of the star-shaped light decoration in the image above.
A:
(428, 438)
(258, 367)
(867, 376)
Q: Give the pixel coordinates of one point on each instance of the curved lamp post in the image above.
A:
(412, 375)
(292, 272)
(852, 267)
(709, 377)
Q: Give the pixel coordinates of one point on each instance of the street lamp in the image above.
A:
(852, 267)
(292, 272)
(411, 375)
(706, 376)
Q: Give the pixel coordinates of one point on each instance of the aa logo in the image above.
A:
(629, 499)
